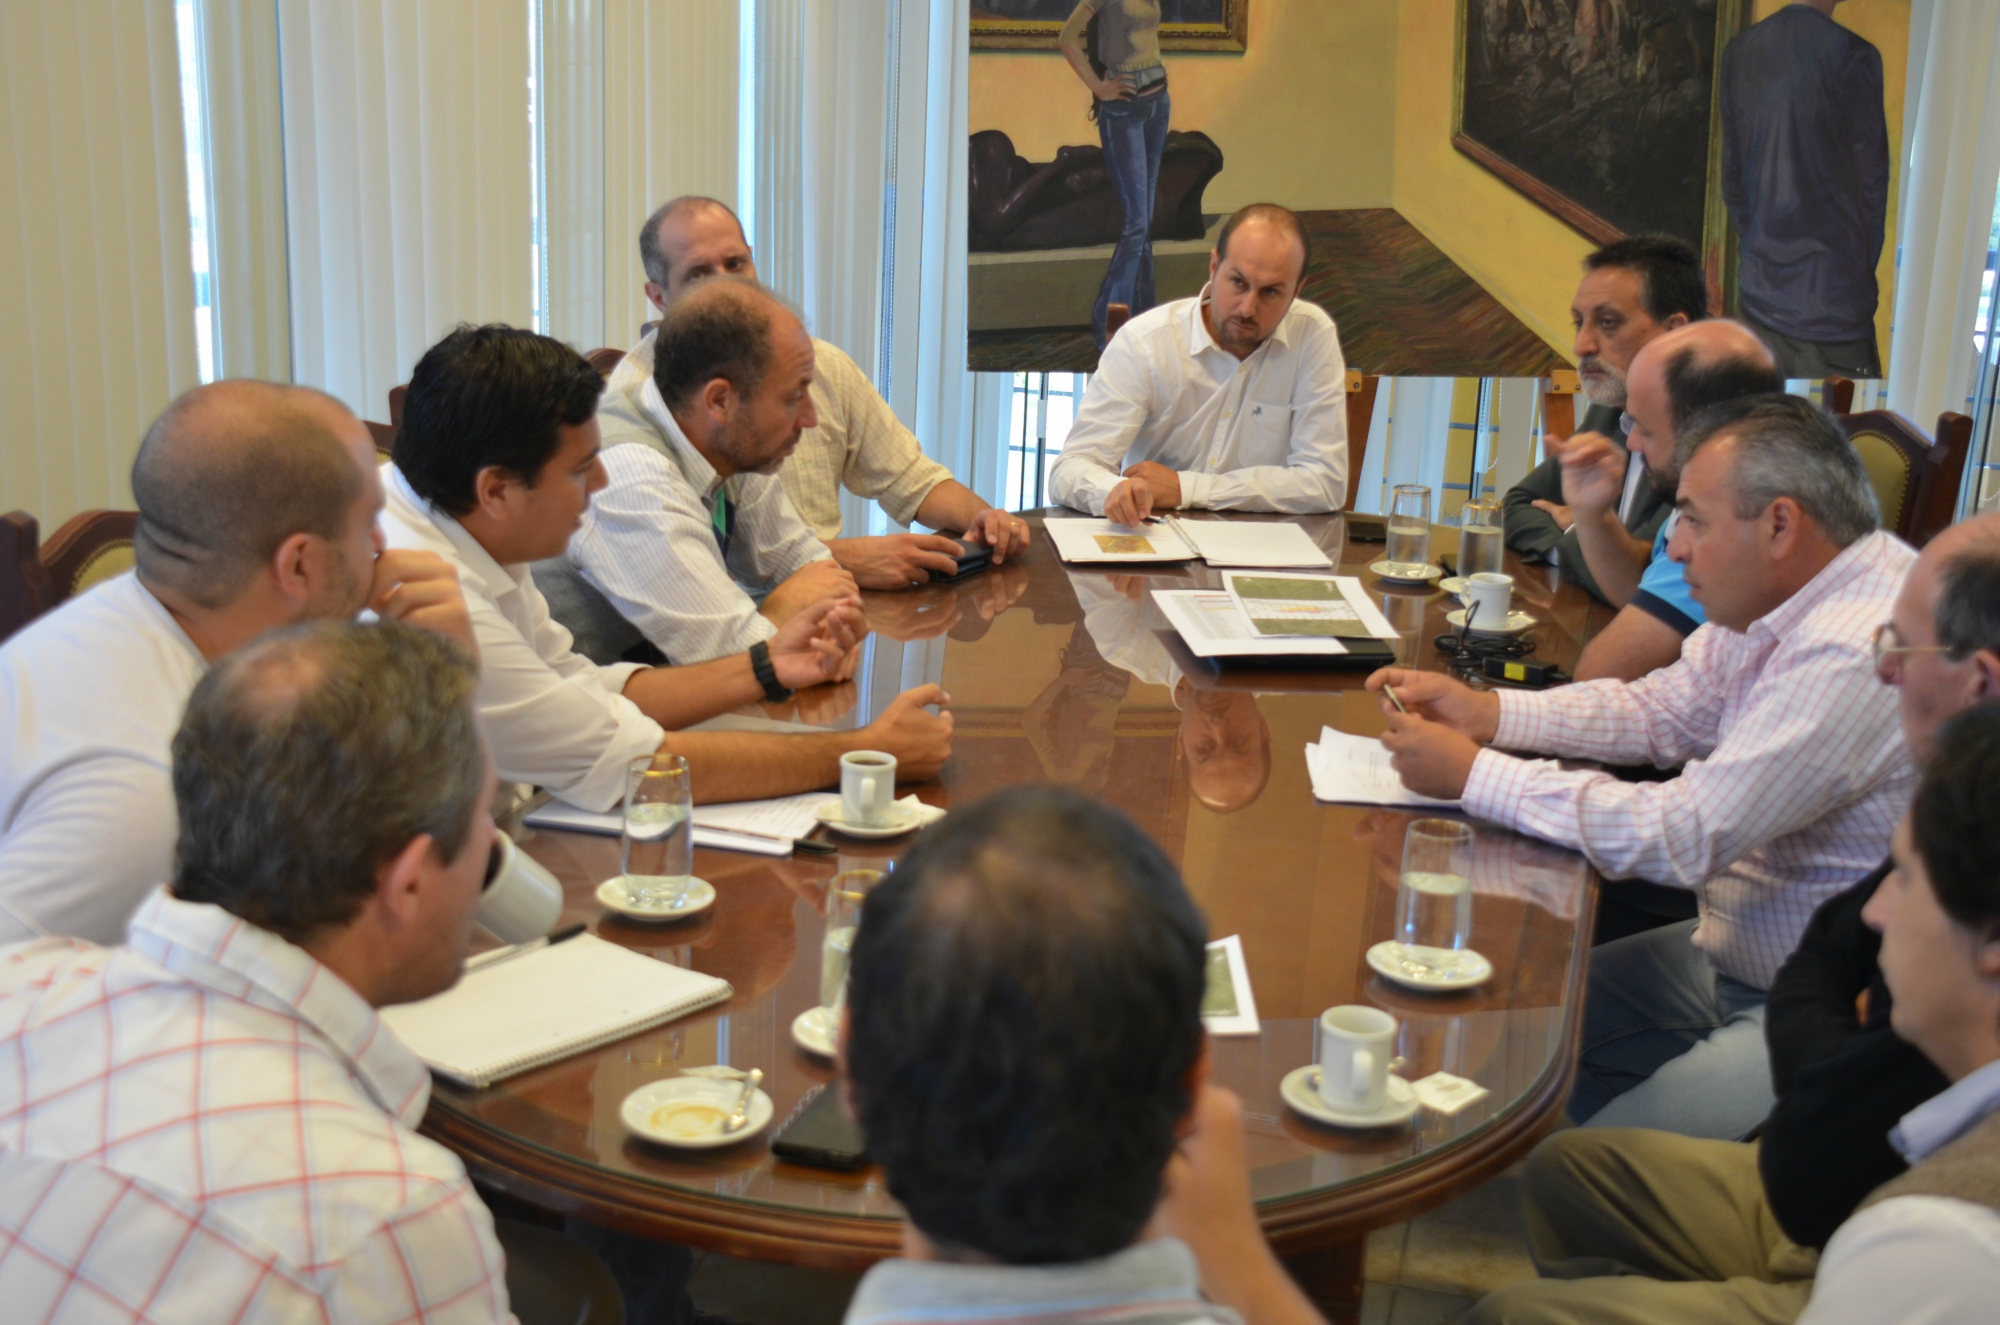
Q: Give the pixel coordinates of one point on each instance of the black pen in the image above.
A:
(499, 955)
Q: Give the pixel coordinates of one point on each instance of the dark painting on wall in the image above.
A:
(1602, 111)
(1185, 25)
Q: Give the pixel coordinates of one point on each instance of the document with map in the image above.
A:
(1085, 540)
(1306, 606)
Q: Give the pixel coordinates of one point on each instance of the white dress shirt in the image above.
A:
(1267, 433)
(209, 1125)
(1918, 1260)
(648, 541)
(555, 719)
(859, 444)
(1796, 769)
(90, 697)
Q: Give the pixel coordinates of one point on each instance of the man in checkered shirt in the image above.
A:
(211, 1123)
(1795, 767)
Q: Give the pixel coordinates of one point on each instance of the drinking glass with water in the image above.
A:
(1409, 526)
(845, 894)
(659, 831)
(1434, 897)
(1481, 537)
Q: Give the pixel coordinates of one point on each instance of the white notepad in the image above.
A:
(1270, 544)
(1355, 770)
(546, 1005)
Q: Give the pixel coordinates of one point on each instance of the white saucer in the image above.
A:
(638, 1109)
(902, 819)
(1300, 1089)
(1453, 584)
(700, 895)
(1516, 623)
(1399, 571)
(812, 1031)
(1472, 970)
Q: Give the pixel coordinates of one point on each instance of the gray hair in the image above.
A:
(1786, 446)
(1968, 603)
(312, 756)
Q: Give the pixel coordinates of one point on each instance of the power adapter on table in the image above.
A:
(1504, 661)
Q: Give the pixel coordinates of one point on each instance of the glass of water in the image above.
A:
(845, 893)
(1409, 525)
(659, 831)
(1481, 537)
(1434, 897)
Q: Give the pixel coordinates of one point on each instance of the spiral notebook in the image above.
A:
(545, 1006)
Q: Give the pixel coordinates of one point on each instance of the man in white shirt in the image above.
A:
(494, 468)
(213, 1123)
(1235, 399)
(257, 507)
(1796, 768)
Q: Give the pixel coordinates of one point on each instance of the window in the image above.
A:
(194, 125)
(1042, 408)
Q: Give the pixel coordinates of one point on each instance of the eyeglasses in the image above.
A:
(1626, 423)
(1886, 644)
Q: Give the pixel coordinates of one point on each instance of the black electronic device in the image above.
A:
(823, 1135)
(975, 558)
(1366, 528)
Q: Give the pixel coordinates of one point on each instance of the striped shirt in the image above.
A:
(209, 1125)
(1796, 769)
(1149, 1283)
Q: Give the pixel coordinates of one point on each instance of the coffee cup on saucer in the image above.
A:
(867, 788)
(1489, 597)
(522, 900)
(1356, 1054)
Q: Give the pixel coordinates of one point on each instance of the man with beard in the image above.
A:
(1672, 379)
(1633, 292)
(1235, 399)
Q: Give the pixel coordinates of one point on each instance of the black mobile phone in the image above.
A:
(1363, 528)
(823, 1136)
(974, 558)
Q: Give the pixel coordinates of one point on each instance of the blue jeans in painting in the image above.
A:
(1134, 134)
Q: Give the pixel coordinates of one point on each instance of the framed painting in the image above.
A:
(1034, 25)
(1602, 111)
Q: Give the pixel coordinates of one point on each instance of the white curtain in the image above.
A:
(251, 286)
(670, 128)
(569, 82)
(407, 173)
(95, 267)
(1946, 215)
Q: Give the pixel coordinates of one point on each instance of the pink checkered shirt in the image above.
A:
(209, 1126)
(1796, 771)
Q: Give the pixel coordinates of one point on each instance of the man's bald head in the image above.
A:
(724, 328)
(229, 472)
(1708, 362)
(691, 239)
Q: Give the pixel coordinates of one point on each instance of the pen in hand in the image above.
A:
(1390, 691)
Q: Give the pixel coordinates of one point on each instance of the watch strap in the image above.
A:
(767, 675)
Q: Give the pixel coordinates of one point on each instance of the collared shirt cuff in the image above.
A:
(1495, 787)
(1520, 725)
(1196, 489)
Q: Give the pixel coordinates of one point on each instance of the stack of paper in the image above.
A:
(1278, 616)
(1355, 770)
(1251, 543)
(1102, 540)
(766, 828)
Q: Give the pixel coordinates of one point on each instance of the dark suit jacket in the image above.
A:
(1533, 533)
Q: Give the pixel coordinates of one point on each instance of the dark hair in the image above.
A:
(1786, 446)
(650, 258)
(1955, 819)
(1968, 603)
(226, 474)
(1669, 270)
(1270, 213)
(1695, 384)
(720, 328)
(1025, 996)
(312, 756)
(491, 395)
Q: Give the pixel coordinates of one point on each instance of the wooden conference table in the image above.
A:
(1070, 676)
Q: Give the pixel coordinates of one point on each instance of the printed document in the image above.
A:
(1083, 540)
(1271, 543)
(1355, 770)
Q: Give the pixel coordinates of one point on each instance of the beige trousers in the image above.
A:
(1632, 1227)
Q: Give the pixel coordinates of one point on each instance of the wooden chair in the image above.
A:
(396, 394)
(1915, 478)
(605, 360)
(1836, 393)
(1360, 416)
(1559, 402)
(1115, 316)
(91, 548)
(385, 437)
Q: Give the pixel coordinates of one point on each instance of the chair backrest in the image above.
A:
(396, 394)
(90, 549)
(605, 360)
(1837, 394)
(1915, 478)
(1115, 316)
(385, 437)
(1559, 403)
(1360, 415)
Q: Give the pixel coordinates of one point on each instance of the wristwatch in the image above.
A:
(767, 675)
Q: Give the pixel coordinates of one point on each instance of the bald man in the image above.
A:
(257, 508)
(1672, 378)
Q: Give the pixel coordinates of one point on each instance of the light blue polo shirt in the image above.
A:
(1663, 589)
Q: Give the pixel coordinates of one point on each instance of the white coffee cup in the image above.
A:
(523, 901)
(867, 787)
(1356, 1053)
(1493, 595)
